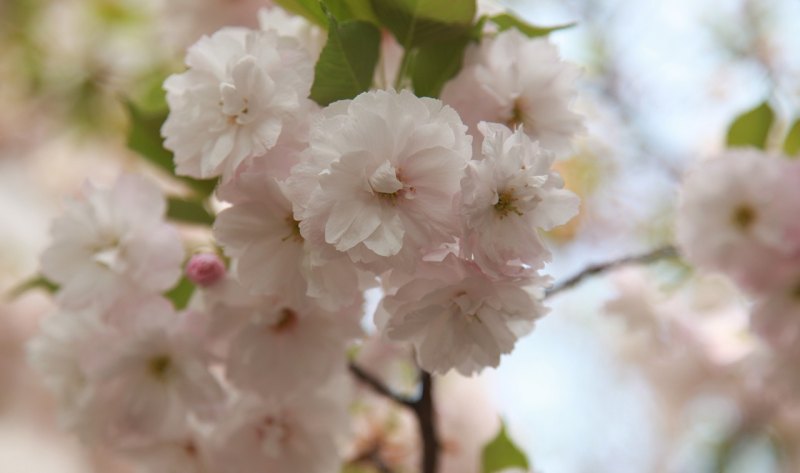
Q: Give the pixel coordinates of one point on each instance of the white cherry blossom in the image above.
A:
(517, 80)
(389, 166)
(243, 90)
(735, 215)
(260, 232)
(457, 317)
(112, 243)
(283, 349)
(507, 196)
(302, 434)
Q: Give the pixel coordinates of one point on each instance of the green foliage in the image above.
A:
(188, 211)
(752, 127)
(792, 144)
(144, 137)
(347, 62)
(420, 22)
(505, 21)
(352, 10)
(502, 453)
(181, 293)
(36, 282)
(309, 9)
(435, 64)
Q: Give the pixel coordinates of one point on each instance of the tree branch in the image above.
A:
(595, 269)
(377, 385)
(426, 417)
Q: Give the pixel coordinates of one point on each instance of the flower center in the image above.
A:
(294, 230)
(517, 117)
(385, 184)
(506, 204)
(744, 216)
(159, 366)
(273, 434)
(286, 320)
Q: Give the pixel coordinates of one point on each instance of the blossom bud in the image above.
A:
(205, 269)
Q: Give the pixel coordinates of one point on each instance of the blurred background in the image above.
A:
(643, 370)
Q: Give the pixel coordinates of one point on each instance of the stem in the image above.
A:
(401, 71)
(423, 407)
(426, 417)
(595, 269)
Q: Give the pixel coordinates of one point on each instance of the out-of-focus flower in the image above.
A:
(113, 243)
(304, 433)
(735, 215)
(283, 349)
(310, 36)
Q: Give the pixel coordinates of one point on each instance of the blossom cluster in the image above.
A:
(438, 203)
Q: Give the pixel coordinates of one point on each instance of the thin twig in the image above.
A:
(595, 269)
(376, 385)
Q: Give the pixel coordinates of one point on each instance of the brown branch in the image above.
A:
(377, 385)
(422, 407)
(595, 269)
(426, 418)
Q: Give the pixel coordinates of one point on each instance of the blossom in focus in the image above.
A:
(735, 215)
(242, 91)
(113, 243)
(507, 196)
(516, 80)
(388, 169)
(457, 317)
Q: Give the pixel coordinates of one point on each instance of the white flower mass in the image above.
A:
(439, 206)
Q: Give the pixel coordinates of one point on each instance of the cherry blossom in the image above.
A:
(507, 196)
(389, 166)
(242, 91)
(516, 80)
(458, 318)
(111, 243)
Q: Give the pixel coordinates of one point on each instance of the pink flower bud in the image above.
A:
(205, 269)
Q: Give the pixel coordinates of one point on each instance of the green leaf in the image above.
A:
(144, 137)
(36, 282)
(188, 211)
(502, 453)
(752, 127)
(346, 64)
(505, 21)
(792, 144)
(435, 64)
(419, 22)
(181, 293)
(352, 10)
(309, 9)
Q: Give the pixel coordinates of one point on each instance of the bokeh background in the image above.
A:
(643, 370)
